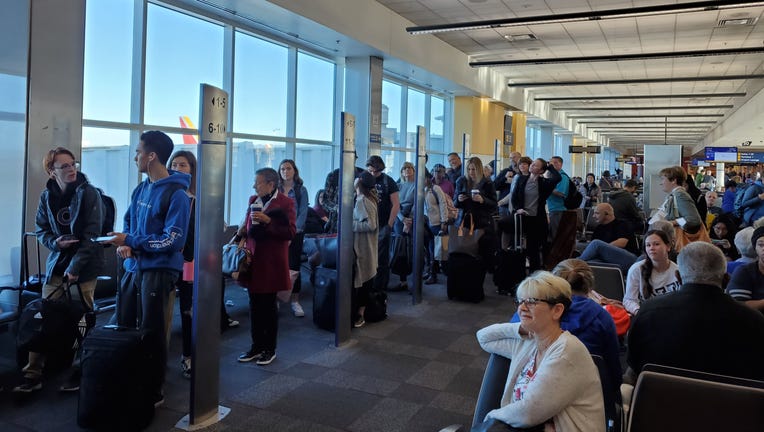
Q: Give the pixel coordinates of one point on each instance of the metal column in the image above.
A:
(419, 227)
(345, 231)
(210, 205)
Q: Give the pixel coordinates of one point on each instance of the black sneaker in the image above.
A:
(30, 385)
(266, 357)
(250, 355)
(72, 384)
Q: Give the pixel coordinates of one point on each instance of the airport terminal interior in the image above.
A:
(620, 88)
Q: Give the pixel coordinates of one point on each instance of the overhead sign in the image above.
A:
(584, 149)
(750, 157)
(721, 154)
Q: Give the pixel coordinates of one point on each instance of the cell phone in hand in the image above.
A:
(103, 239)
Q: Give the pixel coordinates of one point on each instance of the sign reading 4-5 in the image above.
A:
(214, 115)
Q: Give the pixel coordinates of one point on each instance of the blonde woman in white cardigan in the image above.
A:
(552, 378)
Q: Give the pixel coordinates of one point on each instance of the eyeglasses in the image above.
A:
(65, 167)
(532, 301)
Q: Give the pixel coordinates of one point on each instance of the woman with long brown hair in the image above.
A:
(365, 232)
(653, 276)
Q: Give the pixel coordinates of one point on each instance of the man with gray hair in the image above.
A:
(746, 249)
(699, 327)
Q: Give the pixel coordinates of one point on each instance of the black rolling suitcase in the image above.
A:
(324, 298)
(465, 278)
(510, 263)
(118, 384)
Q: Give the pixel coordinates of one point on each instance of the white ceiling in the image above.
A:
(665, 33)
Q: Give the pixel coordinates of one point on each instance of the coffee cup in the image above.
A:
(475, 192)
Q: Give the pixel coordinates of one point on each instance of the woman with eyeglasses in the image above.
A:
(586, 319)
(270, 225)
(69, 216)
(552, 383)
(653, 276)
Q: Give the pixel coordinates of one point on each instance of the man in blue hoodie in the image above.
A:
(154, 234)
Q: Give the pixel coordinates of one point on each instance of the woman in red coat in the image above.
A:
(270, 226)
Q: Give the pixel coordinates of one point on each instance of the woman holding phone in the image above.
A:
(69, 216)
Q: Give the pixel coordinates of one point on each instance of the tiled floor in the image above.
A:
(419, 370)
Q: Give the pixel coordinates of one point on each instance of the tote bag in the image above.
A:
(462, 240)
(441, 247)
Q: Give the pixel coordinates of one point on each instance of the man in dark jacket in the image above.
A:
(68, 216)
(699, 327)
(453, 173)
(625, 206)
(153, 238)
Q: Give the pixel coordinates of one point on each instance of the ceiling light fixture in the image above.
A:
(699, 6)
(620, 57)
(520, 37)
(608, 116)
(677, 96)
(685, 107)
(636, 81)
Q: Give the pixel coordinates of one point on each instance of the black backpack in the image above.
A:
(574, 198)
(109, 212)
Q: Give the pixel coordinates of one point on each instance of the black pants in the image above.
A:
(264, 319)
(295, 259)
(154, 287)
(185, 299)
(360, 298)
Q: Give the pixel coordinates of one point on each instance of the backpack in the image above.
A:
(109, 208)
(574, 198)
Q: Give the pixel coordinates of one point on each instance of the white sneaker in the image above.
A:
(297, 310)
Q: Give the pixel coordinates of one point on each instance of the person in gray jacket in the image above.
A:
(69, 215)
(679, 208)
(365, 232)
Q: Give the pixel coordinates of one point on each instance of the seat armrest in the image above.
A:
(492, 388)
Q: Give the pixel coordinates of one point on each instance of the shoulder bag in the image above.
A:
(464, 241)
(236, 258)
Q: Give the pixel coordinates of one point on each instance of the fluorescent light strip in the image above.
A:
(562, 108)
(663, 96)
(619, 57)
(636, 81)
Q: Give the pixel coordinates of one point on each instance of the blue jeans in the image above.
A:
(598, 250)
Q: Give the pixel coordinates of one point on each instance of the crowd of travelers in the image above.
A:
(692, 259)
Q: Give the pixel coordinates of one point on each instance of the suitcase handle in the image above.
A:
(518, 231)
(25, 257)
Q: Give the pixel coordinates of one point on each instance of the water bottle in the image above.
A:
(255, 207)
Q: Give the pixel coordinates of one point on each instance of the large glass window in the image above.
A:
(436, 143)
(414, 116)
(183, 50)
(14, 34)
(249, 156)
(314, 162)
(181, 53)
(106, 160)
(315, 98)
(108, 60)
(391, 113)
(260, 87)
